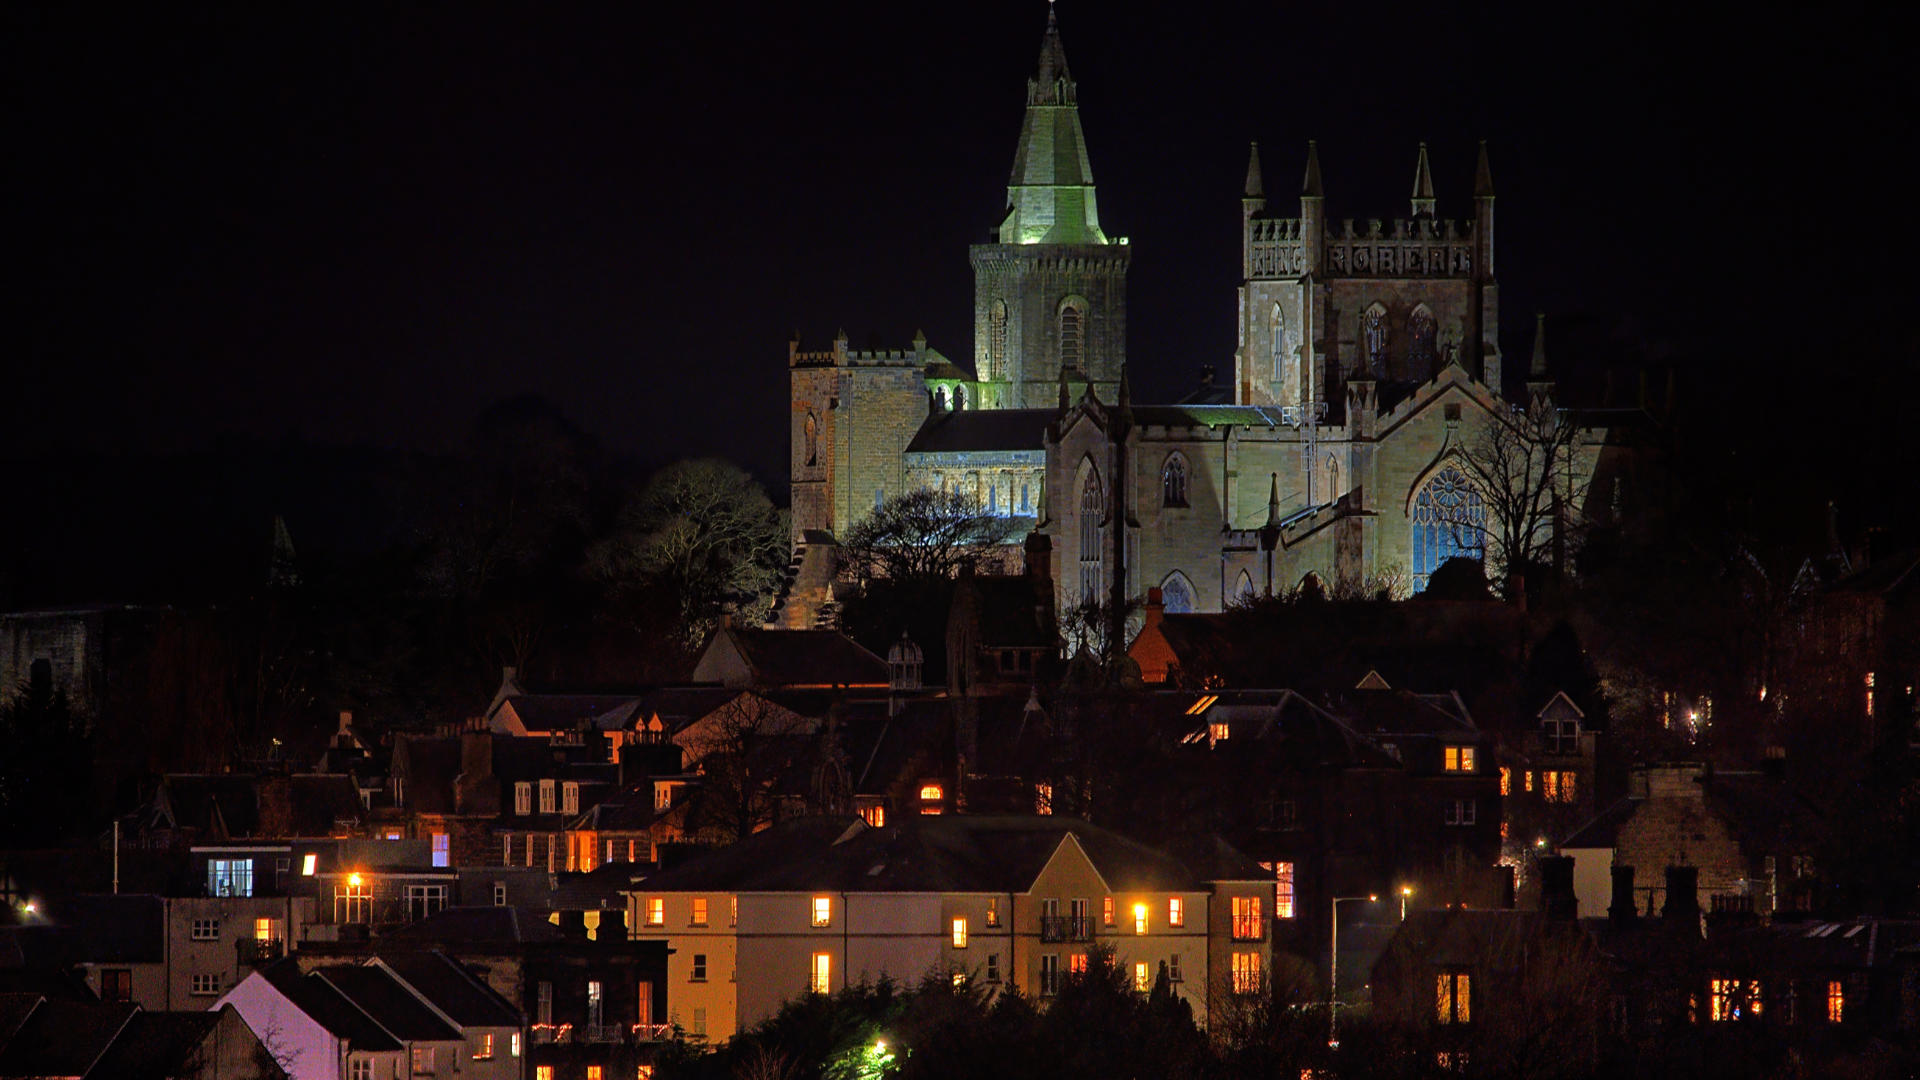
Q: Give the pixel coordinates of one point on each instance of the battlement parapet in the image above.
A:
(1403, 247)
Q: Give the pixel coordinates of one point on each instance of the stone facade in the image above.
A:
(1368, 365)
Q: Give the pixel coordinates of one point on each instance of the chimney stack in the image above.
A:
(1556, 888)
(1683, 897)
(1622, 912)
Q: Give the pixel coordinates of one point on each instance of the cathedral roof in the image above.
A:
(982, 430)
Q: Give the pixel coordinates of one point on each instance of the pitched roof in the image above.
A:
(328, 1007)
(794, 658)
(388, 1001)
(982, 430)
(63, 1038)
(466, 926)
(565, 712)
(948, 853)
(453, 989)
(157, 1045)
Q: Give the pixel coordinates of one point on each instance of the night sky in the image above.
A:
(362, 227)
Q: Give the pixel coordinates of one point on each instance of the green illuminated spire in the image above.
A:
(1050, 196)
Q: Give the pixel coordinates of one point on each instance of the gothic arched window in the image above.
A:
(1422, 338)
(1373, 331)
(940, 400)
(1449, 521)
(996, 341)
(1176, 594)
(959, 398)
(813, 439)
(1091, 509)
(1073, 338)
(1243, 588)
(1173, 481)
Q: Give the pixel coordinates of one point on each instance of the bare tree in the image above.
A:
(742, 750)
(706, 533)
(924, 535)
(1526, 465)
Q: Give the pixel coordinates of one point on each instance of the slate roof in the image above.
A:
(63, 1038)
(1283, 722)
(1469, 937)
(222, 805)
(1604, 829)
(982, 430)
(14, 1010)
(807, 657)
(1402, 712)
(157, 1045)
(947, 853)
(1885, 575)
(329, 1008)
(453, 990)
(396, 1008)
(317, 800)
(565, 712)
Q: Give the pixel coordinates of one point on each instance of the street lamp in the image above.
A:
(1405, 892)
(1333, 972)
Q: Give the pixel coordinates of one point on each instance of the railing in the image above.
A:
(256, 951)
(615, 1034)
(1066, 928)
(552, 1033)
(1734, 903)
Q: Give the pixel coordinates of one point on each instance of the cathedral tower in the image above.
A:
(1050, 298)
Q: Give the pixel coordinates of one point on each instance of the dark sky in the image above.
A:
(364, 227)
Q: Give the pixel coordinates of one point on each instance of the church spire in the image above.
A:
(1050, 198)
(1310, 184)
(1422, 186)
(1256, 189)
(1539, 370)
(1482, 175)
(1273, 501)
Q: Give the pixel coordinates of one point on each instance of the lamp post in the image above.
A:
(1333, 973)
(1405, 892)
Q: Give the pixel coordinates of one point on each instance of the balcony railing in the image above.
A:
(1066, 928)
(257, 951)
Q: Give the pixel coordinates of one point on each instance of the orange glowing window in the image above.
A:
(1176, 912)
(656, 911)
(1453, 997)
(823, 911)
(932, 792)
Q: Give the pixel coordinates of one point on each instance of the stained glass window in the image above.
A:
(1175, 594)
(1422, 332)
(1375, 333)
(1173, 482)
(1449, 521)
(1090, 509)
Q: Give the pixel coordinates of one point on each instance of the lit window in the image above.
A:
(423, 1059)
(1720, 1002)
(875, 815)
(263, 929)
(1246, 918)
(1282, 888)
(662, 797)
(993, 911)
(1077, 964)
(1869, 693)
(596, 1072)
(1141, 980)
(309, 863)
(656, 911)
(822, 911)
(1246, 972)
(1836, 1002)
(960, 933)
(1139, 918)
(230, 877)
(1459, 759)
(1506, 780)
(1043, 798)
(484, 1051)
(543, 1072)
(822, 972)
(1218, 731)
(699, 911)
(1526, 780)
(442, 850)
(1449, 521)
(513, 1043)
(523, 798)
(1176, 912)
(733, 911)
(1559, 787)
(932, 792)
(1106, 912)
(1453, 997)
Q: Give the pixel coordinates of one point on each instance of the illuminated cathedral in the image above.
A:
(1339, 449)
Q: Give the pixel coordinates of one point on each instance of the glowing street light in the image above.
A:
(1333, 972)
(1405, 892)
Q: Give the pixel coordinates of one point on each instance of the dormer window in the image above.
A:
(1459, 759)
(1562, 736)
